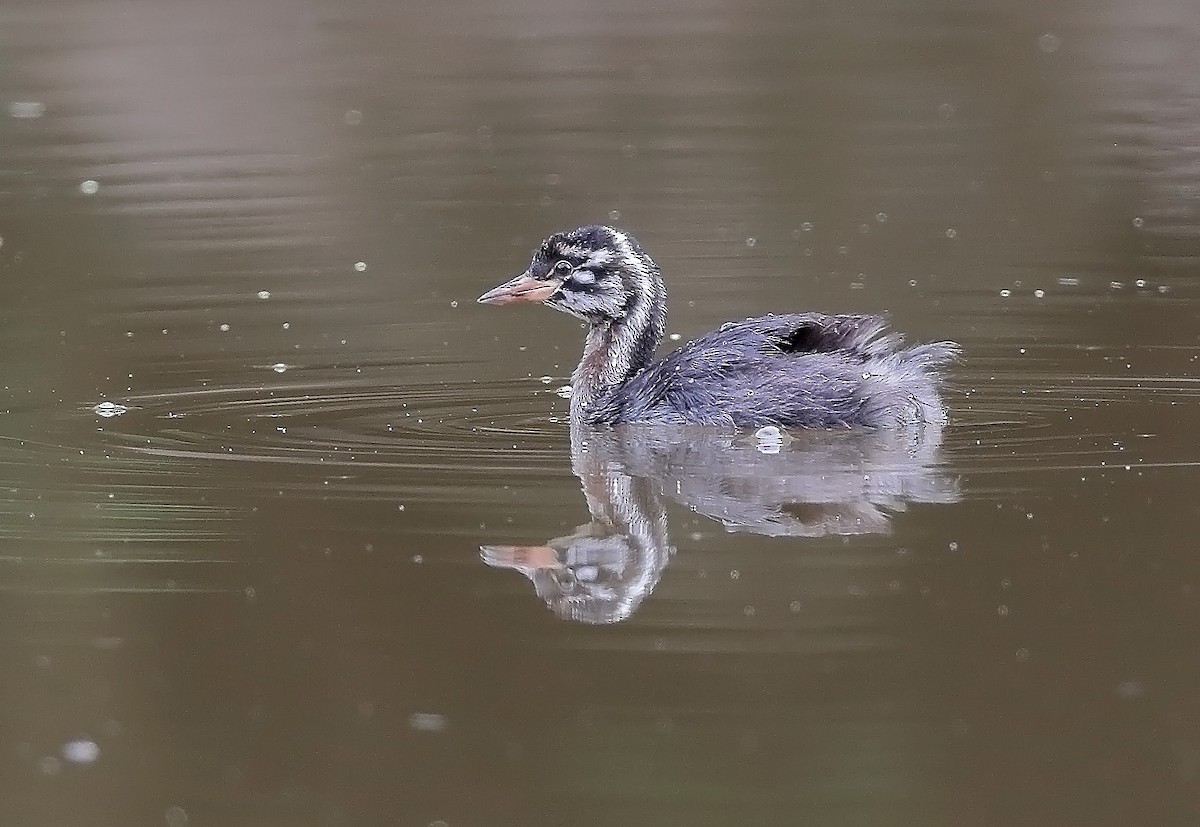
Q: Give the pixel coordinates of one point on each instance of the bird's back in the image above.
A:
(801, 369)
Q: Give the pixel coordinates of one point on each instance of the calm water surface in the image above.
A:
(295, 533)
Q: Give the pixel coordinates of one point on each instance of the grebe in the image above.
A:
(793, 369)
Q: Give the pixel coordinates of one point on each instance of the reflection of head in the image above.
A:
(591, 576)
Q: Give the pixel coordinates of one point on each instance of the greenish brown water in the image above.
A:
(296, 579)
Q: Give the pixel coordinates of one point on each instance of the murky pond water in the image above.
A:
(294, 532)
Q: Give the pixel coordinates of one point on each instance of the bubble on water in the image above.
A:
(1002, 610)
(951, 233)
(1162, 288)
(176, 816)
(734, 574)
(629, 150)
(108, 409)
(264, 294)
(360, 266)
(26, 110)
(89, 187)
(546, 380)
(1140, 282)
(881, 217)
(769, 439)
(286, 325)
(795, 606)
(1039, 294)
(953, 546)
(751, 241)
(1116, 285)
(427, 721)
(1023, 654)
(749, 611)
(1049, 42)
(224, 328)
(912, 282)
(1139, 222)
(454, 303)
(279, 367)
(564, 392)
(81, 751)
(1004, 294)
(806, 226)
(353, 117)
(674, 337)
(614, 215)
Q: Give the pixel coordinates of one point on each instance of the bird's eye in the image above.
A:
(563, 267)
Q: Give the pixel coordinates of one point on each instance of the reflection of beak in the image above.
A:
(526, 559)
(524, 288)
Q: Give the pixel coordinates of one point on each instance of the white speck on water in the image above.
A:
(734, 574)
(770, 439)
(1067, 281)
(454, 303)
(279, 367)
(264, 294)
(546, 380)
(1116, 285)
(951, 233)
(353, 117)
(224, 328)
(564, 392)
(82, 751)
(1039, 294)
(427, 721)
(1162, 288)
(750, 242)
(89, 187)
(881, 217)
(674, 337)
(1049, 42)
(795, 606)
(360, 266)
(287, 325)
(108, 409)
(806, 226)
(912, 282)
(26, 110)
(953, 545)
(1140, 282)
(614, 215)
(1139, 222)
(1004, 294)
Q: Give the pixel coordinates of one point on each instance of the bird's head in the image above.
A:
(599, 274)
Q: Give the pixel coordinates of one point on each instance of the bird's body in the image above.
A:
(796, 369)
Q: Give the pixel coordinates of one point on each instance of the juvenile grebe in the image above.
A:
(800, 369)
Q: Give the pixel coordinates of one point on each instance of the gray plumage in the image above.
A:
(796, 369)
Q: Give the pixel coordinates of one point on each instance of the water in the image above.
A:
(293, 531)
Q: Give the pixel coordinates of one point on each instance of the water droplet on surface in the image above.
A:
(26, 110)
(89, 187)
(108, 409)
(82, 751)
(1049, 42)
(1039, 294)
(1004, 294)
(360, 266)
(279, 367)
(674, 337)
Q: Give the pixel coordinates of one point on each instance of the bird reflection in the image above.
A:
(809, 484)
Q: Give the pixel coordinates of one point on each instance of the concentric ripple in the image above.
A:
(445, 425)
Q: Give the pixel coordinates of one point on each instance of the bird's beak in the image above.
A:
(526, 559)
(524, 288)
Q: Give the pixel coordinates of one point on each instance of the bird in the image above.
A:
(803, 370)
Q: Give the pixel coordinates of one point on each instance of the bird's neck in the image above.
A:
(616, 350)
